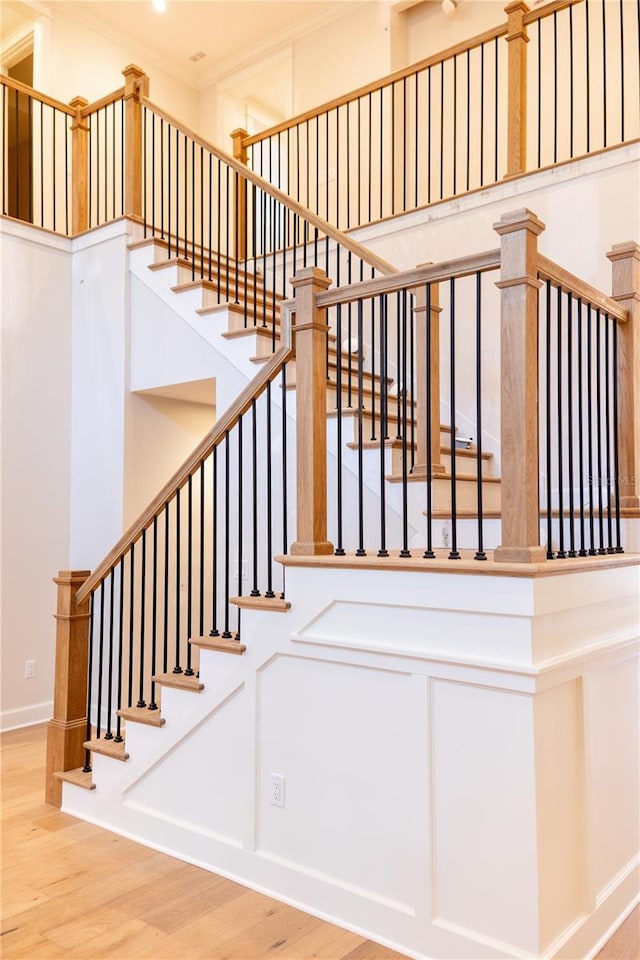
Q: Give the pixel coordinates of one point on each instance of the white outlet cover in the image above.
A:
(276, 789)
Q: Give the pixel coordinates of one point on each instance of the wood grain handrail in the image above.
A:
(337, 235)
(36, 95)
(547, 9)
(548, 270)
(383, 82)
(105, 101)
(226, 422)
(410, 279)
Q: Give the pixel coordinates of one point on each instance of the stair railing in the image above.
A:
(565, 375)
(233, 230)
(545, 87)
(209, 536)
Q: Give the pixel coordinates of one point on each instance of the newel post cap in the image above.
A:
(624, 251)
(310, 276)
(136, 81)
(515, 220)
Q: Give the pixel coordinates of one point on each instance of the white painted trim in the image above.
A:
(16, 47)
(36, 235)
(29, 716)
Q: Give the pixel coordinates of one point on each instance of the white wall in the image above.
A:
(429, 30)
(36, 442)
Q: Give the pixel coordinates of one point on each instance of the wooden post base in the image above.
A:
(65, 751)
(314, 549)
(520, 554)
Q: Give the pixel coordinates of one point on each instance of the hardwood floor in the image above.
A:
(71, 890)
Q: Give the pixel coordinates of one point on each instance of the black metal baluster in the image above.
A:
(382, 552)
(468, 113)
(607, 432)
(100, 661)
(87, 754)
(226, 633)
(269, 591)
(428, 553)
(254, 478)
(339, 551)
(118, 736)
(621, 73)
(143, 608)
(162, 177)
(97, 116)
(604, 73)
(177, 668)
(154, 615)
(453, 554)
(417, 140)
(479, 554)
(582, 550)
(108, 732)
(601, 548)
(482, 114)
(360, 552)
(572, 543)
(592, 546)
(42, 163)
(381, 149)
(561, 554)
(550, 553)
(66, 175)
(441, 129)
(616, 448)
(587, 73)
(369, 156)
(455, 125)
(201, 577)
(186, 199)
(240, 512)
(571, 81)
(132, 564)
(169, 194)
(165, 624)
(285, 536)
(428, 134)
(495, 108)
(145, 187)
(404, 552)
(189, 669)
(214, 542)
(555, 87)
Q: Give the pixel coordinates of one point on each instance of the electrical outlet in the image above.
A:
(276, 792)
(29, 669)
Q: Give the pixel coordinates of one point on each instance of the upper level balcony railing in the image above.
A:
(547, 86)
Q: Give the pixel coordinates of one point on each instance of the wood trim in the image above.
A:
(465, 565)
(517, 40)
(226, 422)
(136, 85)
(79, 168)
(409, 279)
(343, 239)
(105, 101)
(36, 95)
(549, 270)
(433, 60)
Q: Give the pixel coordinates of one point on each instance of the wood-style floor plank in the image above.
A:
(71, 891)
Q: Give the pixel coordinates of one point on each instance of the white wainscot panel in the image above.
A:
(201, 784)
(613, 756)
(440, 633)
(351, 745)
(484, 870)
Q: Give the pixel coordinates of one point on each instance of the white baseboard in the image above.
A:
(26, 716)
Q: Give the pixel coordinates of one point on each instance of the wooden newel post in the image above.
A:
(79, 166)
(519, 387)
(625, 264)
(517, 40)
(240, 190)
(136, 86)
(428, 387)
(310, 332)
(67, 729)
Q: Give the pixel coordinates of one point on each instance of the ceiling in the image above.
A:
(228, 32)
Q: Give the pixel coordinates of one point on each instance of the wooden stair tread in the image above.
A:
(179, 681)
(422, 476)
(78, 777)
(107, 748)
(222, 644)
(274, 604)
(152, 718)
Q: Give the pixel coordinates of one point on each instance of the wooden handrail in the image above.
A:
(36, 95)
(548, 270)
(105, 101)
(547, 9)
(383, 82)
(316, 221)
(409, 279)
(226, 422)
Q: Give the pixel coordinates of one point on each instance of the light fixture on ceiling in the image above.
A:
(449, 7)
(159, 6)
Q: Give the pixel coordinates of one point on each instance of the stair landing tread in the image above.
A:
(222, 644)
(151, 718)
(77, 777)
(107, 748)
(179, 680)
